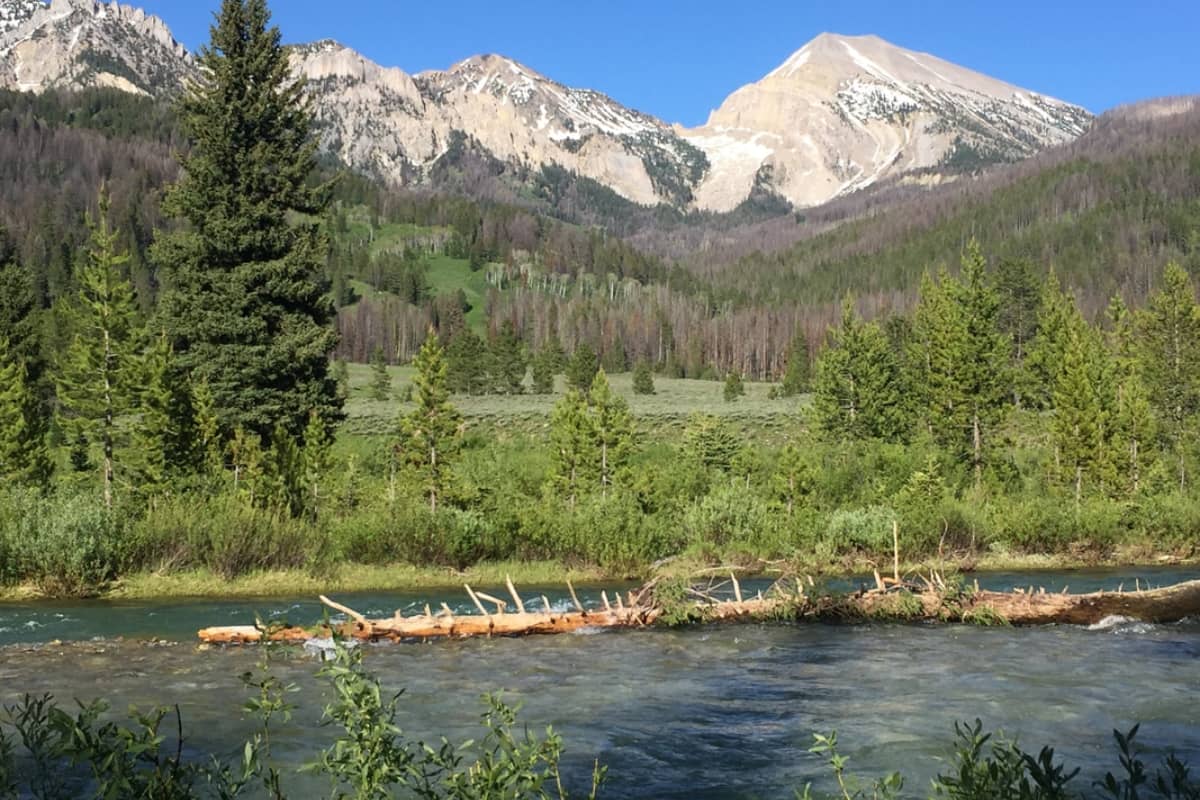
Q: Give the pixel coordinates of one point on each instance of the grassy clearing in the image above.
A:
(663, 412)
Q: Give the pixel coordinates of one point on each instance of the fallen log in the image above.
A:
(935, 600)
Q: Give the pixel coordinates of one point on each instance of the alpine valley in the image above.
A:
(488, 191)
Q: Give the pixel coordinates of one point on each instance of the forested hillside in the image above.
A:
(1106, 212)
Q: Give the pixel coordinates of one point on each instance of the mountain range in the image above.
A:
(841, 114)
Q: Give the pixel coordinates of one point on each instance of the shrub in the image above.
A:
(68, 546)
(868, 529)
(224, 534)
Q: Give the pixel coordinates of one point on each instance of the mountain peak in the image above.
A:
(843, 112)
(88, 43)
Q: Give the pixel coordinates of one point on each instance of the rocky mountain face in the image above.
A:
(839, 115)
(397, 126)
(85, 43)
(844, 112)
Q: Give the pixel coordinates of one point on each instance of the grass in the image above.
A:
(345, 578)
(663, 412)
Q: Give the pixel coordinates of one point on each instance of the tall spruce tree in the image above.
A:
(99, 375)
(582, 368)
(797, 375)
(24, 458)
(431, 434)
(572, 443)
(1169, 345)
(165, 436)
(1134, 429)
(934, 357)
(1056, 310)
(381, 381)
(507, 361)
(1018, 289)
(792, 478)
(466, 363)
(210, 452)
(858, 385)
(19, 310)
(544, 367)
(614, 429)
(983, 374)
(244, 308)
(1079, 423)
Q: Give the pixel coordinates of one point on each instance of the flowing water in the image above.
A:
(711, 712)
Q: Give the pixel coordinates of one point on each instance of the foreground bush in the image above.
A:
(65, 755)
(989, 767)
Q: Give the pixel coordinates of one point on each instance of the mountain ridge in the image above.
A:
(840, 114)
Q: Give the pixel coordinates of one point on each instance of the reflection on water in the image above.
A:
(723, 711)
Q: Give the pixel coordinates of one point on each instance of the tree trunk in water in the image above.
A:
(1168, 604)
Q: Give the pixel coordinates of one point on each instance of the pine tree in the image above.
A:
(710, 441)
(582, 368)
(99, 374)
(19, 311)
(614, 429)
(165, 436)
(643, 378)
(381, 382)
(1079, 421)
(543, 369)
(572, 442)
(1056, 310)
(1018, 289)
(24, 458)
(243, 308)
(431, 434)
(208, 430)
(984, 366)
(797, 376)
(858, 392)
(466, 364)
(1168, 332)
(792, 478)
(246, 458)
(341, 374)
(934, 357)
(1122, 341)
(318, 461)
(507, 360)
(734, 388)
(1134, 432)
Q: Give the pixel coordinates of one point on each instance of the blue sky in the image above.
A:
(678, 60)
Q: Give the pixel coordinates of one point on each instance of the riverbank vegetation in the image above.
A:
(580, 478)
(50, 752)
(198, 425)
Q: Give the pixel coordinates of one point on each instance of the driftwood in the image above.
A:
(932, 600)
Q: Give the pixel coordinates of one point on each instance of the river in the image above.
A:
(710, 712)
